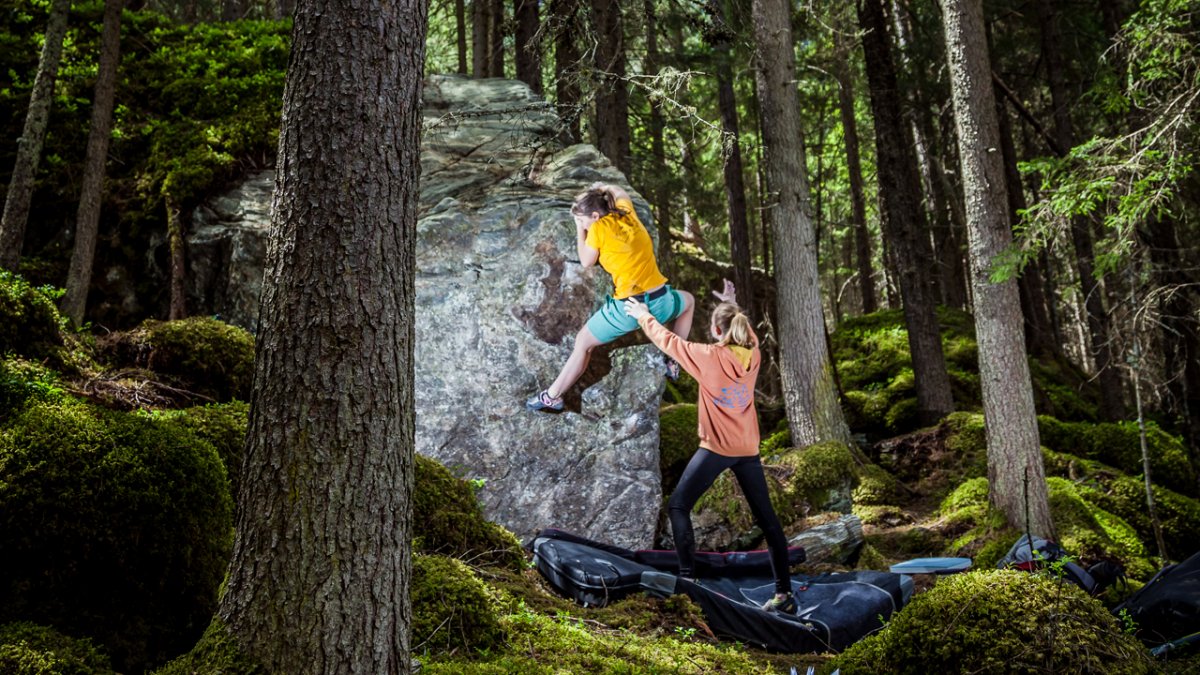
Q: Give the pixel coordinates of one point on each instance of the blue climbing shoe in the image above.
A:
(543, 401)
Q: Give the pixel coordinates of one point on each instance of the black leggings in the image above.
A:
(697, 478)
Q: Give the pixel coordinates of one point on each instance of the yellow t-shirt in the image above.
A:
(626, 252)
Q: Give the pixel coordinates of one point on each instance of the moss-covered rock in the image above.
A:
(683, 390)
(202, 355)
(453, 611)
(1084, 529)
(223, 425)
(999, 621)
(30, 649)
(114, 526)
(30, 324)
(1119, 445)
(21, 381)
(875, 486)
(818, 477)
(447, 520)
(677, 441)
(215, 654)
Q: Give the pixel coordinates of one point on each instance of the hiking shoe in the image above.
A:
(543, 401)
(782, 602)
(672, 369)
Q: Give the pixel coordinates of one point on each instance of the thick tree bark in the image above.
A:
(813, 409)
(612, 99)
(529, 52)
(1014, 455)
(731, 152)
(1112, 401)
(902, 217)
(480, 54)
(87, 219)
(321, 564)
(29, 146)
(175, 240)
(566, 65)
(858, 203)
(460, 24)
(658, 154)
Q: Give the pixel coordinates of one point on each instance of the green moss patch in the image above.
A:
(447, 520)
(453, 611)
(114, 526)
(223, 425)
(30, 649)
(999, 621)
(1119, 445)
(677, 441)
(201, 355)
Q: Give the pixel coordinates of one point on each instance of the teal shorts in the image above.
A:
(611, 322)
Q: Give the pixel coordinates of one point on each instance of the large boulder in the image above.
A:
(500, 298)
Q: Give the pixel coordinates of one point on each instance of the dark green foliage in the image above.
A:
(202, 355)
(113, 525)
(452, 609)
(683, 390)
(777, 442)
(1119, 445)
(215, 654)
(447, 520)
(30, 649)
(999, 621)
(196, 106)
(21, 381)
(30, 324)
(875, 369)
(224, 426)
(678, 439)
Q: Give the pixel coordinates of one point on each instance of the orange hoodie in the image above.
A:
(728, 420)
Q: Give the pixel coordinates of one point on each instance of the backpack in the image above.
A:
(1042, 552)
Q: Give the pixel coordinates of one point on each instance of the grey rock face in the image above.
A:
(499, 301)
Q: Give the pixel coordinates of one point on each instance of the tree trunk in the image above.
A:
(495, 38)
(480, 54)
(658, 154)
(612, 99)
(813, 409)
(731, 152)
(460, 23)
(566, 65)
(529, 52)
(1038, 334)
(321, 563)
(29, 146)
(858, 204)
(1014, 455)
(902, 217)
(1112, 401)
(175, 239)
(87, 219)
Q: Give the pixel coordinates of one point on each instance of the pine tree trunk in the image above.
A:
(1038, 335)
(175, 240)
(731, 152)
(566, 66)
(529, 53)
(658, 155)
(1112, 401)
(480, 54)
(87, 219)
(858, 203)
(321, 565)
(612, 99)
(29, 146)
(902, 218)
(460, 24)
(495, 38)
(1014, 453)
(813, 409)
